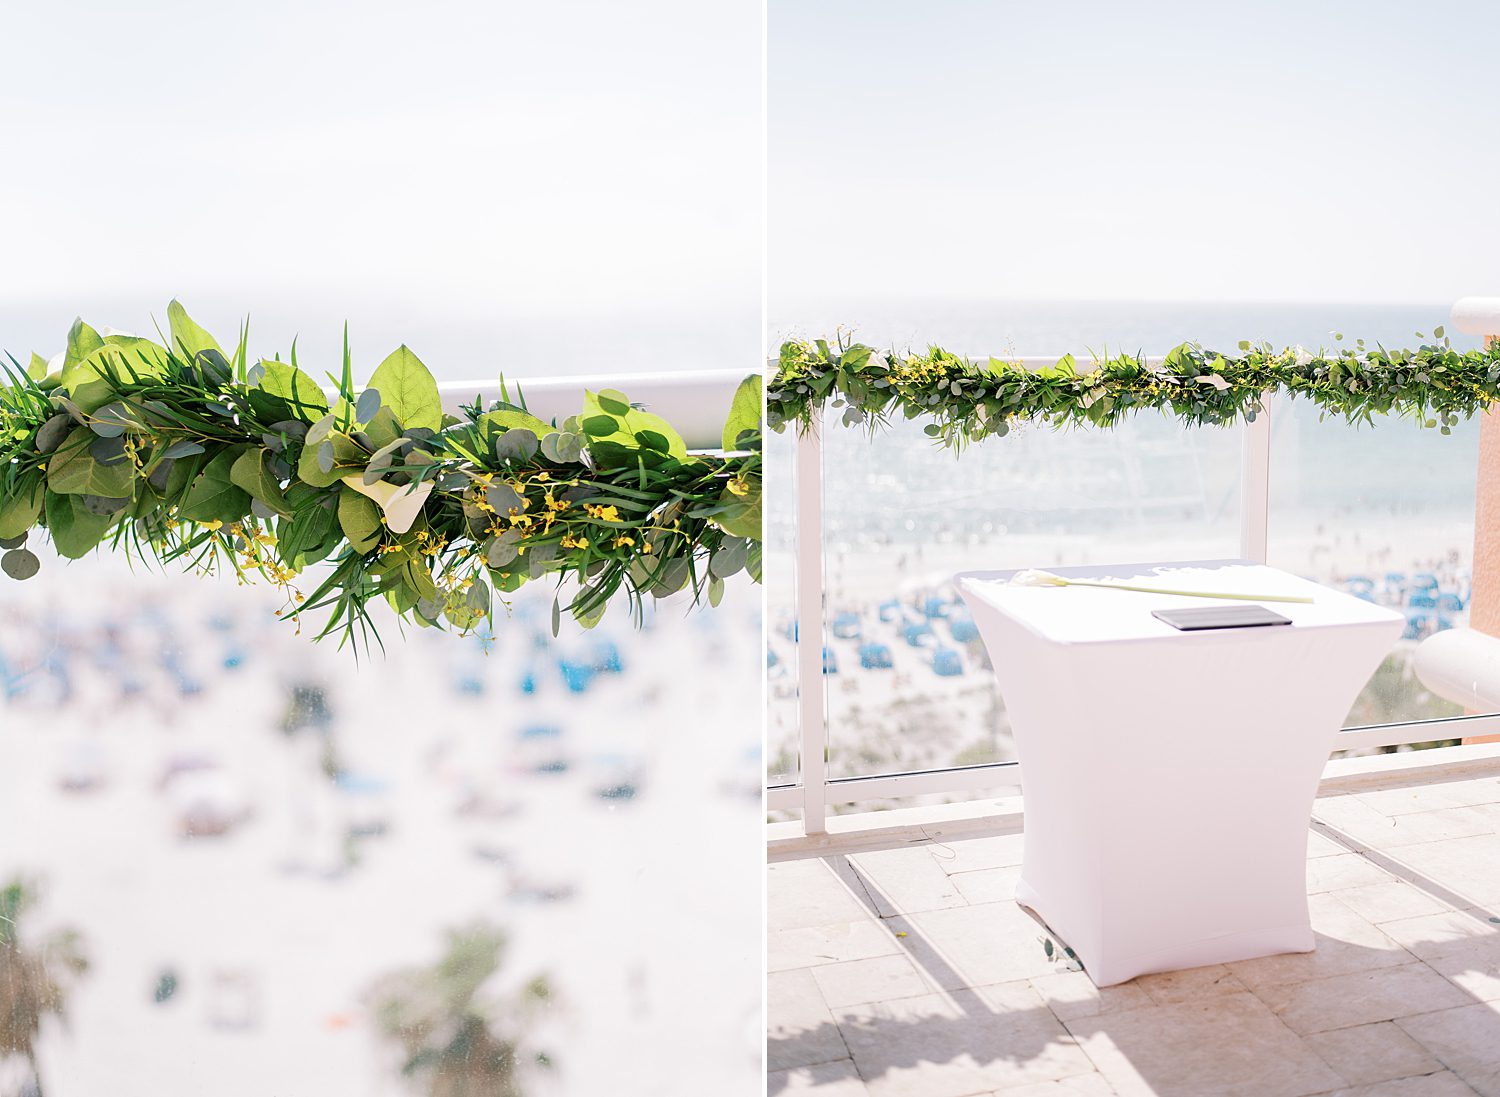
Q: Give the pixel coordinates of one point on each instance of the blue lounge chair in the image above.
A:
(933, 606)
(946, 663)
(846, 626)
(962, 626)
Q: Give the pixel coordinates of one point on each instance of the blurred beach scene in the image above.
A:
(268, 852)
(1385, 512)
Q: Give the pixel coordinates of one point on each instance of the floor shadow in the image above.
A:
(1242, 1043)
(941, 1028)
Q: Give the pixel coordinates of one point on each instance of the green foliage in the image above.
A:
(75, 530)
(359, 518)
(619, 434)
(964, 401)
(188, 338)
(744, 412)
(284, 392)
(184, 453)
(457, 1035)
(408, 389)
(38, 971)
(213, 495)
(74, 470)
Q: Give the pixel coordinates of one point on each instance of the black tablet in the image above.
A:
(1201, 617)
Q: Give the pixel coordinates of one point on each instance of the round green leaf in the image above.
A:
(20, 563)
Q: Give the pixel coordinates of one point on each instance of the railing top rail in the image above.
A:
(695, 402)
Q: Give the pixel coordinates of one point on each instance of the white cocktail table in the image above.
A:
(1168, 777)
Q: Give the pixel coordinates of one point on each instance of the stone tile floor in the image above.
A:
(913, 973)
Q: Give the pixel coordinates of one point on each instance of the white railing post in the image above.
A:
(1255, 484)
(811, 715)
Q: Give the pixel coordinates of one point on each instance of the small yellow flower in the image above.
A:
(569, 541)
(603, 513)
(624, 540)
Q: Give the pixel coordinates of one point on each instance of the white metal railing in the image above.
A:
(814, 791)
(695, 402)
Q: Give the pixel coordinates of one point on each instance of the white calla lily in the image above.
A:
(1034, 577)
(400, 502)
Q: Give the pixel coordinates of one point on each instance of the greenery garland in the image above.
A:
(967, 401)
(185, 453)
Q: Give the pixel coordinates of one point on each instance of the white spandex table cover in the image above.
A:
(1169, 776)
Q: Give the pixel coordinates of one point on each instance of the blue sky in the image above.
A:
(1309, 151)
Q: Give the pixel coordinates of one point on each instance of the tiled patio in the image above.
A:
(913, 973)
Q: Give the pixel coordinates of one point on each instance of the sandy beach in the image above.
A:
(603, 831)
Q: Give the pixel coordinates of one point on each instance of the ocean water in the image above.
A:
(1323, 469)
(457, 344)
(982, 328)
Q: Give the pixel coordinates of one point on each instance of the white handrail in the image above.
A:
(695, 402)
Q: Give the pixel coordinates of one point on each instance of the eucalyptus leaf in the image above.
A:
(102, 504)
(182, 449)
(20, 563)
(504, 549)
(108, 450)
(367, 405)
(111, 420)
(504, 499)
(51, 433)
(478, 596)
(213, 367)
(728, 558)
(517, 444)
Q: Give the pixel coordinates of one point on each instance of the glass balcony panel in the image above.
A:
(908, 680)
(1385, 513)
